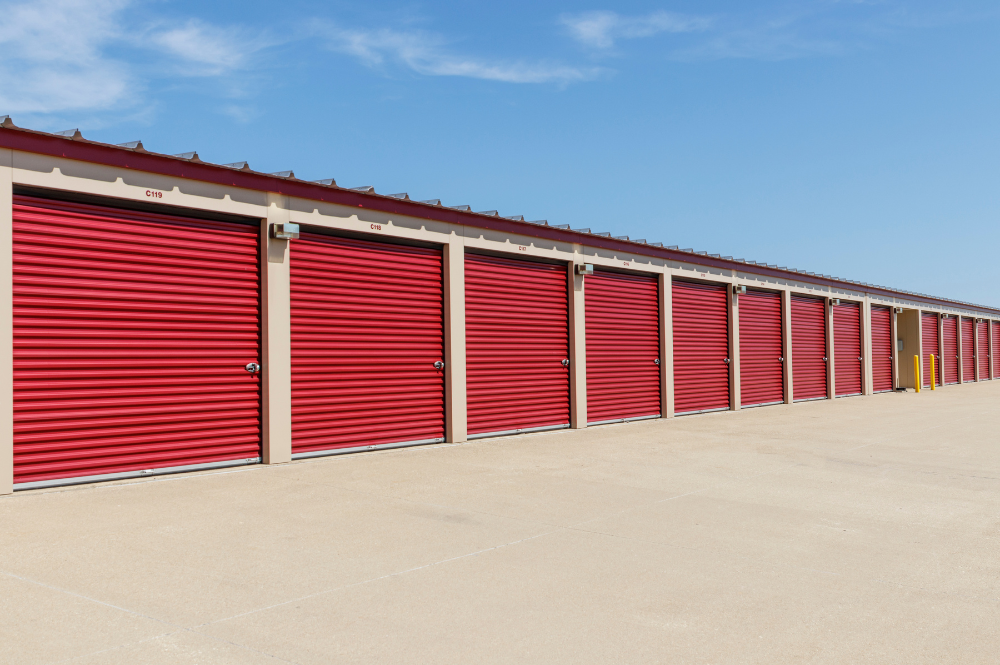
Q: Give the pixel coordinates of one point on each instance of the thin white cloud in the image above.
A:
(89, 55)
(204, 49)
(427, 54)
(601, 29)
(51, 56)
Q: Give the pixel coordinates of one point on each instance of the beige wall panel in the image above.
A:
(867, 374)
(908, 330)
(786, 326)
(276, 377)
(831, 375)
(371, 222)
(69, 175)
(456, 404)
(735, 395)
(6, 326)
(577, 348)
(666, 347)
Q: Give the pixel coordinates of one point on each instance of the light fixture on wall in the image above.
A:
(834, 301)
(584, 269)
(739, 289)
(285, 231)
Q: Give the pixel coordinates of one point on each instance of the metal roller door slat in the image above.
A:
(809, 379)
(995, 347)
(517, 336)
(847, 356)
(701, 347)
(968, 350)
(949, 350)
(929, 341)
(131, 333)
(761, 349)
(881, 349)
(983, 353)
(623, 343)
(367, 327)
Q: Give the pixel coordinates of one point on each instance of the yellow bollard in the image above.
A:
(916, 372)
(933, 382)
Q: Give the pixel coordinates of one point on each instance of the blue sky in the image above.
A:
(852, 138)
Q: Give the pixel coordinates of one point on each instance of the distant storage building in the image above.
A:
(162, 314)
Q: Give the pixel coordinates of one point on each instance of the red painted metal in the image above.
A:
(983, 352)
(761, 348)
(847, 358)
(701, 347)
(623, 344)
(995, 348)
(131, 333)
(126, 158)
(881, 349)
(949, 350)
(809, 366)
(517, 337)
(929, 342)
(367, 327)
(968, 353)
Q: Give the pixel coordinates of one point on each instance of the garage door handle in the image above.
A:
(565, 362)
(438, 365)
(253, 368)
(656, 362)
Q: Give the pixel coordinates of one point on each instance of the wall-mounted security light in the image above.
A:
(834, 301)
(584, 269)
(739, 289)
(285, 231)
(899, 310)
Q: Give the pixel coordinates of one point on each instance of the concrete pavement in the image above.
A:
(866, 530)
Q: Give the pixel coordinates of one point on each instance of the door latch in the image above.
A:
(438, 365)
(565, 362)
(253, 368)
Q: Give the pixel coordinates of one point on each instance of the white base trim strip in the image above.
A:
(622, 420)
(526, 430)
(361, 449)
(848, 395)
(754, 406)
(124, 475)
(810, 399)
(691, 413)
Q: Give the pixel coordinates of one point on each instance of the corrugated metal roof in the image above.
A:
(137, 146)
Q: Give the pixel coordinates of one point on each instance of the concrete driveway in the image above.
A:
(866, 530)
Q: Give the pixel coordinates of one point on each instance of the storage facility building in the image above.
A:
(163, 314)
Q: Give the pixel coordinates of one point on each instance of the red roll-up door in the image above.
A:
(983, 352)
(995, 347)
(929, 342)
(623, 346)
(131, 335)
(517, 337)
(367, 324)
(701, 347)
(809, 364)
(847, 356)
(949, 350)
(761, 354)
(968, 350)
(881, 349)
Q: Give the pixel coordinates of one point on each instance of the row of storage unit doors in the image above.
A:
(136, 338)
(943, 344)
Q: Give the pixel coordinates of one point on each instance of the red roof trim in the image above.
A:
(126, 158)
